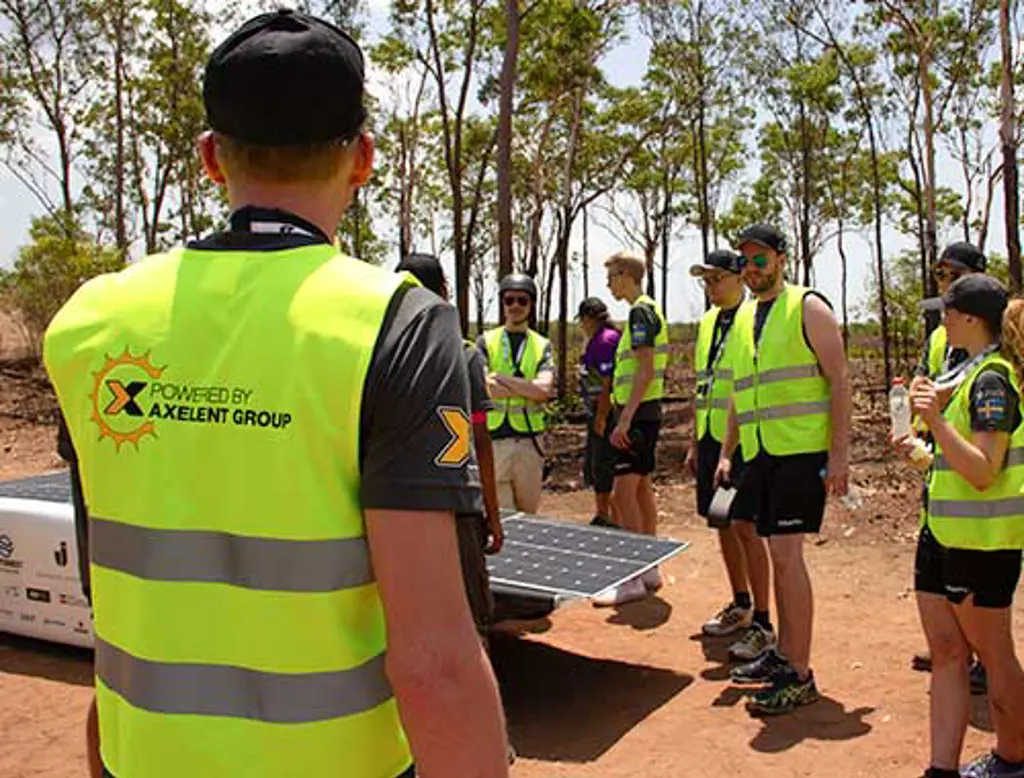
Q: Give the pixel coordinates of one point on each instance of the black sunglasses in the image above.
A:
(521, 300)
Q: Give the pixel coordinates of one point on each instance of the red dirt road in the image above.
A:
(633, 691)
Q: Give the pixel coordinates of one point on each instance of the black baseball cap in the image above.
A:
(721, 259)
(427, 270)
(593, 307)
(977, 295)
(763, 235)
(964, 256)
(285, 78)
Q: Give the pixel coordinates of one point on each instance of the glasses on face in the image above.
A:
(516, 299)
(945, 274)
(614, 275)
(760, 261)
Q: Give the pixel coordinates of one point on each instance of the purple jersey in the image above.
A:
(598, 361)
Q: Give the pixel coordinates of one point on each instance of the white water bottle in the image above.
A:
(899, 409)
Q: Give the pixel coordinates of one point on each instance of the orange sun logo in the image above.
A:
(116, 387)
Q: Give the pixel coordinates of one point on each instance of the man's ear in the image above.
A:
(362, 167)
(206, 143)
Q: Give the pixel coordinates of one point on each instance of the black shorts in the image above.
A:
(639, 458)
(789, 493)
(599, 460)
(472, 531)
(954, 573)
(709, 451)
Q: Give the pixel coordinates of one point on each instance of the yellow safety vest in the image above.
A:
(626, 362)
(214, 399)
(937, 351)
(524, 416)
(782, 400)
(959, 515)
(714, 382)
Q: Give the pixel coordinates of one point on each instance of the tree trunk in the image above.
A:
(1008, 139)
(929, 144)
(120, 221)
(666, 229)
(586, 256)
(508, 80)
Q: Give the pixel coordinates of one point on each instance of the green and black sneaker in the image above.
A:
(786, 694)
(762, 670)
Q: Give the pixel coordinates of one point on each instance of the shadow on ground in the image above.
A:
(40, 659)
(642, 615)
(565, 707)
(826, 719)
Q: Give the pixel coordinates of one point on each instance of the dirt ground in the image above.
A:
(634, 691)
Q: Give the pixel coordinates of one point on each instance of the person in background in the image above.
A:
(743, 551)
(938, 357)
(596, 366)
(638, 388)
(968, 559)
(520, 380)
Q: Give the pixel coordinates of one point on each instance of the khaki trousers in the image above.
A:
(519, 471)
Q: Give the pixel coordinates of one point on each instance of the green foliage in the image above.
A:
(60, 257)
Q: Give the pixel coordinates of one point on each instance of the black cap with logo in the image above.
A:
(721, 259)
(976, 295)
(285, 78)
(964, 256)
(763, 235)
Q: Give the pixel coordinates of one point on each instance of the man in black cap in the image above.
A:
(790, 412)
(597, 364)
(275, 564)
(744, 553)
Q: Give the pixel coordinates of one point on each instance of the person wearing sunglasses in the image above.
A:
(637, 389)
(520, 379)
(937, 358)
(790, 414)
(956, 261)
(744, 553)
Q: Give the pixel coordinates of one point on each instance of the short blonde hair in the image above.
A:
(628, 263)
(1013, 335)
(305, 163)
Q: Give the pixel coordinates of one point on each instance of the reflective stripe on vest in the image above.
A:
(782, 400)
(714, 383)
(961, 516)
(238, 627)
(626, 362)
(526, 416)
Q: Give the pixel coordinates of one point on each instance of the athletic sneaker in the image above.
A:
(732, 618)
(979, 678)
(631, 590)
(992, 766)
(755, 641)
(601, 521)
(786, 694)
(652, 579)
(761, 670)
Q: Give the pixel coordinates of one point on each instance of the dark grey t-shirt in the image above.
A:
(479, 400)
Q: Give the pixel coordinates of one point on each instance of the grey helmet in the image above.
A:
(518, 282)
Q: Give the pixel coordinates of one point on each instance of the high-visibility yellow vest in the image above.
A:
(961, 516)
(214, 400)
(714, 382)
(782, 400)
(937, 351)
(525, 416)
(626, 362)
